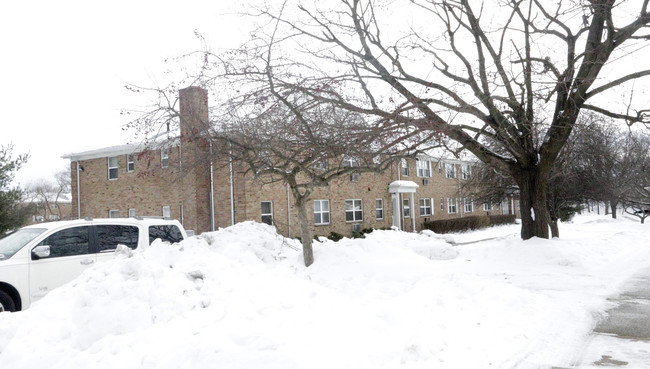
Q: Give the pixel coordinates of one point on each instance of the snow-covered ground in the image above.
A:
(241, 298)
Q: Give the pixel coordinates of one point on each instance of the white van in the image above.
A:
(38, 258)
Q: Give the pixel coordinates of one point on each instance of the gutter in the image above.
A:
(232, 193)
(211, 190)
(78, 194)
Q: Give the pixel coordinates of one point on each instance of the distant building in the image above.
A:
(172, 180)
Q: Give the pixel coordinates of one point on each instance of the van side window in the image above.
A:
(111, 235)
(167, 233)
(68, 242)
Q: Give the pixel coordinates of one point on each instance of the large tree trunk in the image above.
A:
(614, 205)
(305, 230)
(555, 230)
(532, 198)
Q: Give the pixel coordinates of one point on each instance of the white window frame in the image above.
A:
(166, 210)
(423, 168)
(353, 206)
(424, 206)
(115, 167)
(130, 163)
(450, 170)
(164, 158)
(113, 213)
(452, 205)
(469, 205)
(406, 207)
(131, 213)
(321, 212)
(379, 210)
(351, 161)
(487, 206)
(267, 214)
(404, 167)
(466, 171)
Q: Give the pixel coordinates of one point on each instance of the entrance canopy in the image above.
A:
(402, 187)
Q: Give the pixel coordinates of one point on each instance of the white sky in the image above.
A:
(65, 64)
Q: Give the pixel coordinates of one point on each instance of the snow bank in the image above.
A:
(241, 298)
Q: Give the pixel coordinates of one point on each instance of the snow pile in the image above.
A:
(241, 298)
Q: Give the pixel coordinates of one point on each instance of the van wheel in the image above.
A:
(6, 302)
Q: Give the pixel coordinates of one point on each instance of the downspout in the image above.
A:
(232, 193)
(288, 212)
(211, 191)
(78, 194)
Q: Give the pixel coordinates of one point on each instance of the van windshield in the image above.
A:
(13, 242)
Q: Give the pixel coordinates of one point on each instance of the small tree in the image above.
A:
(12, 212)
(283, 136)
(638, 203)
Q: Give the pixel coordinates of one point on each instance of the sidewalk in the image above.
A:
(622, 339)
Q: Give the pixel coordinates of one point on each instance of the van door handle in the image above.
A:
(86, 261)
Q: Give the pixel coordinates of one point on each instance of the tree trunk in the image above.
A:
(606, 208)
(535, 218)
(555, 230)
(613, 204)
(305, 230)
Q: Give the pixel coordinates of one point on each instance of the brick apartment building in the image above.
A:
(176, 179)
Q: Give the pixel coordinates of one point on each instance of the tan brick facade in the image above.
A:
(146, 186)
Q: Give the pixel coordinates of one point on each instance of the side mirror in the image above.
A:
(40, 252)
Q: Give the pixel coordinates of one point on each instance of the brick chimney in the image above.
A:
(194, 111)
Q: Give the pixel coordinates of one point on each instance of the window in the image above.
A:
(321, 212)
(351, 161)
(164, 158)
(379, 208)
(404, 167)
(130, 163)
(487, 206)
(113, 213)
(321, 165)
(131, 213)
(68, 242)
(442, 204)
(407, 208)
(356, 227)
(166, 212)
(424, 170)
(469, 205)
(267, 212)
(450, 170)
(111, 235)
(354, 177)
(452, 206)
(425, 207)
(466, 172)
(112, 167)
(353, 210)
(167, 233)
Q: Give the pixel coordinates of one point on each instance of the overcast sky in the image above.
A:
(65, 63)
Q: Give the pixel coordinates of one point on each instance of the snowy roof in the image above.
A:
(157, 142)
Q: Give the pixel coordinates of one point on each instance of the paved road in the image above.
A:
(622, 340)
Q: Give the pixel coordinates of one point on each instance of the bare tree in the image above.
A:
(638, 202)
(610, 163)
(46, 195)
(280, 135)
(514, 75)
